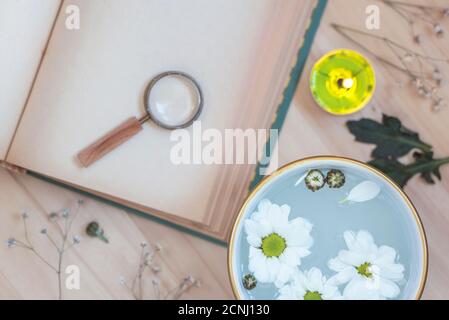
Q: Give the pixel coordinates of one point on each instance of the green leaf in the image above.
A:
(391, 138)
(394, 169)
(425, 165)
(392, 141)
(422, 160)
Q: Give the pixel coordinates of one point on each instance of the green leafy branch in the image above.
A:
(393, 141)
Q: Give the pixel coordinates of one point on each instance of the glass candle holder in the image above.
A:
(342, 82)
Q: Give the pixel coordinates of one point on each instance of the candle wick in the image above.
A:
(340, 83)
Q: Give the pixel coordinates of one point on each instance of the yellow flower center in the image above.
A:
(273, 245)
(363, 270)
(312, 295)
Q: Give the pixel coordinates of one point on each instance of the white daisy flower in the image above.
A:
(371, 272)
(276, 244)
(309, 285)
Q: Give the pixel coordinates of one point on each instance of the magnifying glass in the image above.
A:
(172, 100)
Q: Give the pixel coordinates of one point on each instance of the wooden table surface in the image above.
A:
(101, 265)
(307, 131)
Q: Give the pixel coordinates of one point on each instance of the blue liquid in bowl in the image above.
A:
(389, 218)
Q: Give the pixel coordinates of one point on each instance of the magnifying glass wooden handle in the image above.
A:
(110, 141)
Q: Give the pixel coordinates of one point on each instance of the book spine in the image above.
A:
(12, 168)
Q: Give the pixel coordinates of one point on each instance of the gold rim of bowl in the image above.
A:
(266, 180)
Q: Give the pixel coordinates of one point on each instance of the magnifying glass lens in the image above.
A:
(174, 101)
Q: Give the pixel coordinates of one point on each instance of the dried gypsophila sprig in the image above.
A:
(429, 15)
(63, 221)
(147, 258)
(426, 80)
(425, 14)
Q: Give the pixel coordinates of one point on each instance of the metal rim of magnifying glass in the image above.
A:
(150, 86)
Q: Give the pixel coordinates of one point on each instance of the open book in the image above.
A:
(62, 87)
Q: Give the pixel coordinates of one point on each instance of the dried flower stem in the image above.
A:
(137, 282)
(61, 248)
(35, 252)
(185, 285)
(425, 82)
(156, 289)
(344, 31)
(146, 259)
(412, 13)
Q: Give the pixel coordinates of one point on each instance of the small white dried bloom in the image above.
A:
(11, 242)
(155, 269)
(190, 279)
(65, 213)
(158, 246)
(25, 214)
(143, 244)
(149, 256)
(440, 104)
(44, 231)
(438, 29)
(425, 92)
(122, 280)
(148, 253)
(417, 82)
(76, 239)
(155, 281)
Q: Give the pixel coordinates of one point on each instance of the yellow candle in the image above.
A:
(342, 82)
